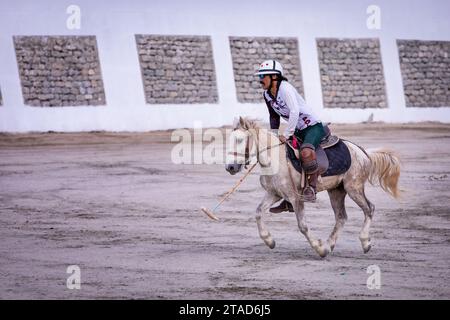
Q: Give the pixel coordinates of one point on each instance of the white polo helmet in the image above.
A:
(270, 67)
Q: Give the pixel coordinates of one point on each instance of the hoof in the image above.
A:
(271, 244)
(331, 244)
(367, 247)
(323, 249)
(268, 240)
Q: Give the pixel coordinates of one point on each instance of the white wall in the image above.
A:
(115, 23)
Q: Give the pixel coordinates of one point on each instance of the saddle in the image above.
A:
(333, 156)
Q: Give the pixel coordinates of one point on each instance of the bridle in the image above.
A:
(247, 150)
(246, 154)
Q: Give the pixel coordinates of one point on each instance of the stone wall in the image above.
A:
(59, 70)
(248, 52)
(351, 73)
(425, 67)
(65, 70)
(177, 69)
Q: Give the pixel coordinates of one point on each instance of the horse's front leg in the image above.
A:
(268, 200)
(322, 248)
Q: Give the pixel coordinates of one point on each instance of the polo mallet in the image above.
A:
(210, 213)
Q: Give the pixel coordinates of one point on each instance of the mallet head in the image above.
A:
(209, 213)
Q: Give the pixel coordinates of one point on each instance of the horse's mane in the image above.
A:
(249, 123)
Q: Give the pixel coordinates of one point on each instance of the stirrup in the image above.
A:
(309, 194)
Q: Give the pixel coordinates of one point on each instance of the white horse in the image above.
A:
(280, 180)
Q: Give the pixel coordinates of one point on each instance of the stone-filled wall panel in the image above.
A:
(177, 69)
(247, 54)
(425, 68)
(59, 70)
(351, 73)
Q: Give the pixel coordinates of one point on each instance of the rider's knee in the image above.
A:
(309, 160)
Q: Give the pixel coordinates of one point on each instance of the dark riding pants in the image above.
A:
(312, 135)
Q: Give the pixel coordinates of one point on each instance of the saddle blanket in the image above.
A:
(339, 159)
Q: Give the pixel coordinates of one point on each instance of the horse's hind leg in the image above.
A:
(337, 199)
(368, 208)
(268, 200)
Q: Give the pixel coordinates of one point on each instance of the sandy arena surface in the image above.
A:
(116, 206)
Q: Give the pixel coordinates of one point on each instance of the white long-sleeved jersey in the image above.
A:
(290, 105)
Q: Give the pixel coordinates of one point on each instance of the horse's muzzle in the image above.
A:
(233, 168)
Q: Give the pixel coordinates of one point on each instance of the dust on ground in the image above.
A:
(115, 205)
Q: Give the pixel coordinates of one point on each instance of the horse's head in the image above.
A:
(238, 153)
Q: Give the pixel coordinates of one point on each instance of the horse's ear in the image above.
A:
(243, 123)
(235, 123)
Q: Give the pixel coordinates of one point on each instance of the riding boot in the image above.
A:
(283, 206)
(310, 165)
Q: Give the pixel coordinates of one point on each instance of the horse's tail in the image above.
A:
(385, 170)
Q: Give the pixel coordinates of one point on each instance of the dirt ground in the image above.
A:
(116, 206)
